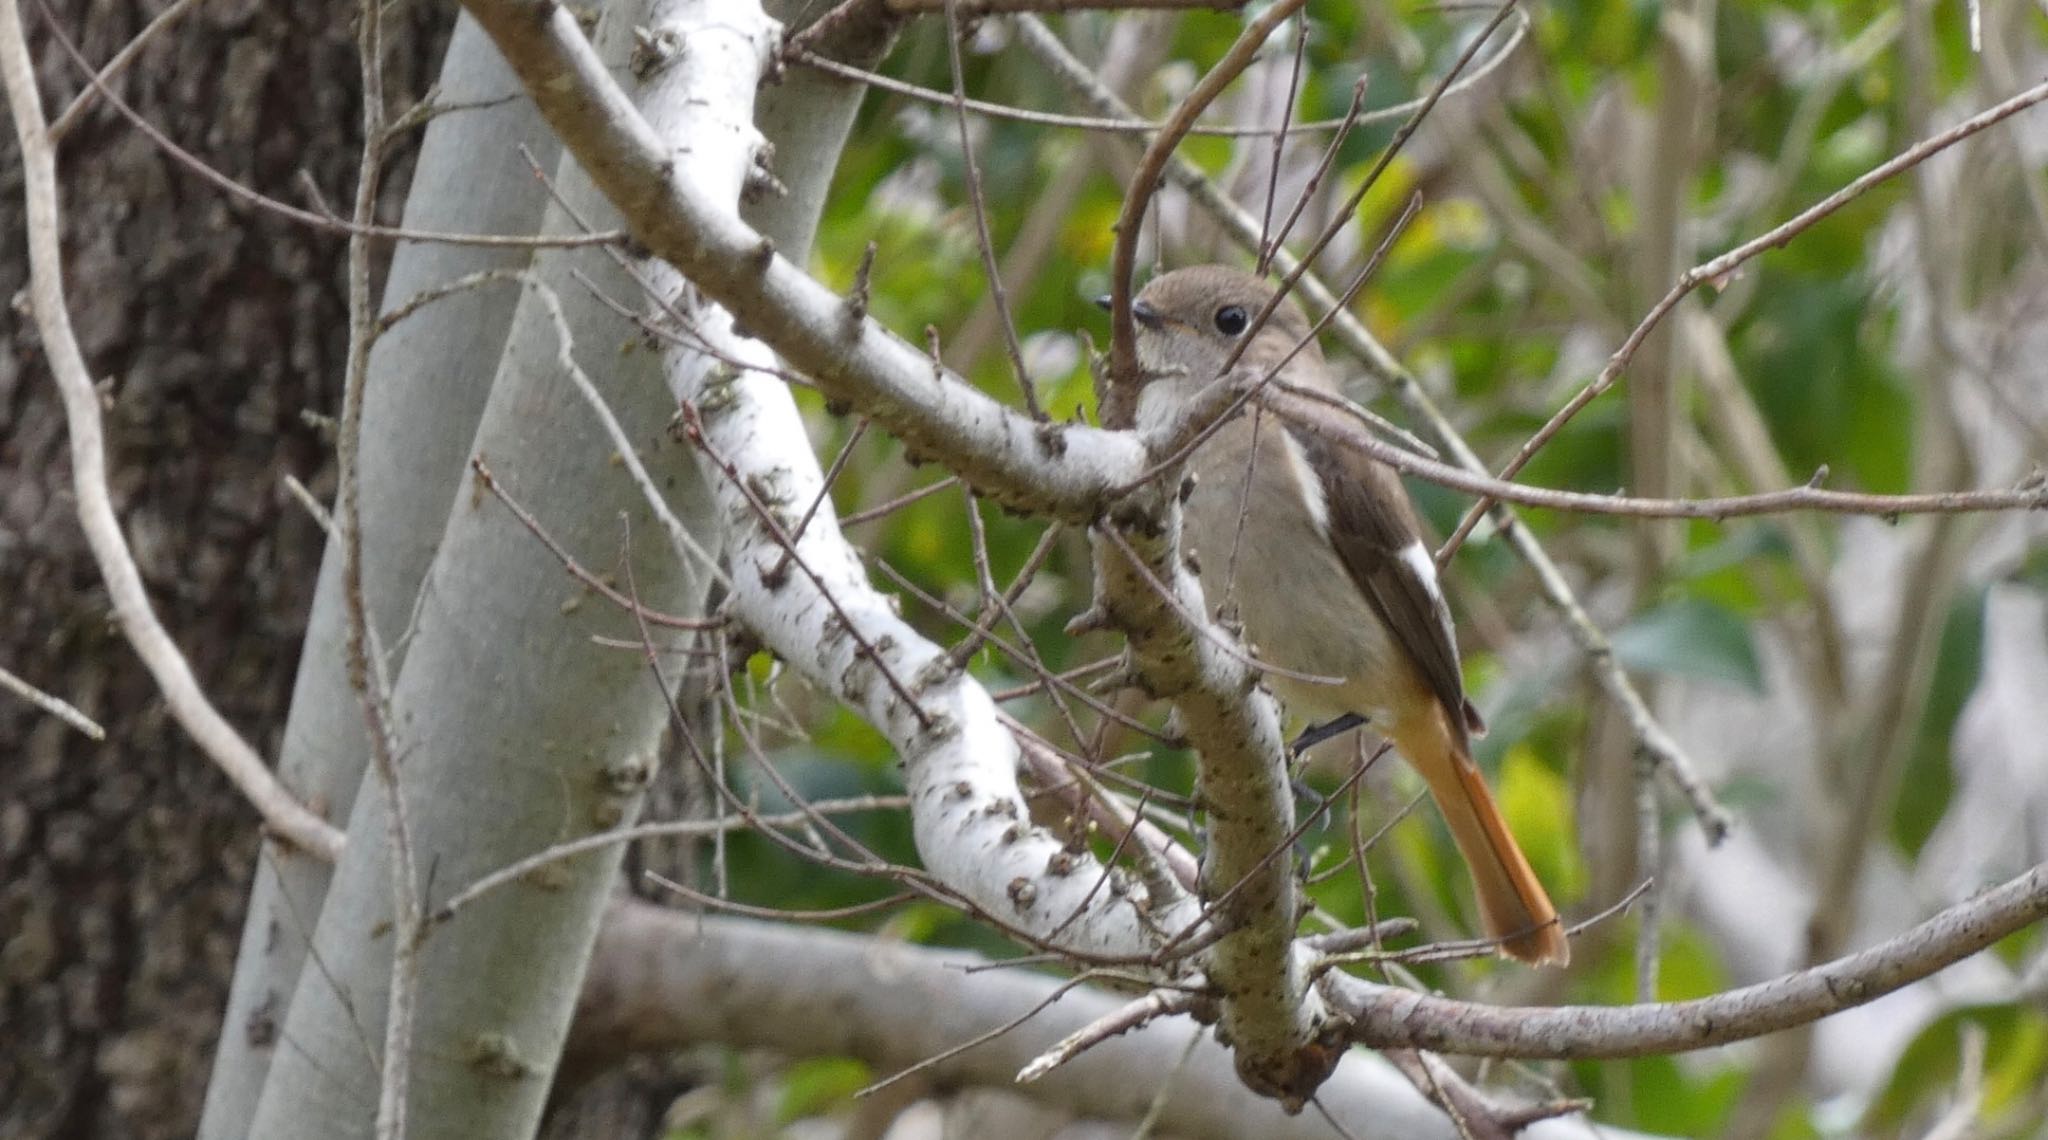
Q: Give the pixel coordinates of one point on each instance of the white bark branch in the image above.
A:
(1064, 471)
(519, 730)
(820, 614)
(834, 627)
(429, 376)
(662, 980)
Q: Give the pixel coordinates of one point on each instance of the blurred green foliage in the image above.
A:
(1809, 94)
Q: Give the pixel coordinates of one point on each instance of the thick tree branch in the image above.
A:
(1065, 471)
(663, 980)
(961, 763)
(429, 375)
(808, 598)
(1269, 1011)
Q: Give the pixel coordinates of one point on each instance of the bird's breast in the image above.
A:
(1257, 526)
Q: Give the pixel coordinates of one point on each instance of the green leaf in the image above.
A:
(1694, 638)
(2015, 1062)
(1819, 362)
(1657, 1094)
(1538, 805)
(813, 1087)
(1929, 778)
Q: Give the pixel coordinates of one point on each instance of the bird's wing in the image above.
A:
(1373, 527)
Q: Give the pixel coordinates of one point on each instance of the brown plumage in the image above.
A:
(1317, 548)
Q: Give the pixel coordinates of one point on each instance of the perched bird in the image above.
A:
(1316, 547)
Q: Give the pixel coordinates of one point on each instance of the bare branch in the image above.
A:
(322, 221)
(115, 66)
(1719, 269)
(2030, 494)
(1131, 124)
(1136, 1015)
(1123, 344)
(981, 230)
(188, 703)
(57, 707)
(1384, 1017)
(662, 980)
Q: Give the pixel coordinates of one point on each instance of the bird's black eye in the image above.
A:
(1231, 320)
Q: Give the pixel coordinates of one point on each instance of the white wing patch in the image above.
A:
(1420, 564)
(1311, 483)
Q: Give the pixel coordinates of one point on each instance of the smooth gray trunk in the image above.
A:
(428, 381)
(516, 729)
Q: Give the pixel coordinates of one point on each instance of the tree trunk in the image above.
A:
(122, 864)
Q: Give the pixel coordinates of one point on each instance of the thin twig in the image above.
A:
(779, 914)
(1270, 244)
(883, 510)
(685, 544)
(976, 202)
(1720, 268)
(824, 495)
(114, 67)
(1384, 1017)
(2029, 494)
(57, 707)
(1123, 345)
(1128, 124)
(363, 655)
(325, 223)
(1280, 143)
(576, 569)
(667, 829)
(1650, 866)
(1136, 1015)
(284, 815)
(979, 1038)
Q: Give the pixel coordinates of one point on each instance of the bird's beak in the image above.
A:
(1144, 313)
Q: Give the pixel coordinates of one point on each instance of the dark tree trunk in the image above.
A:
(124, 866)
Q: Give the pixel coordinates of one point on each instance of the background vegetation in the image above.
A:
(1864, 696)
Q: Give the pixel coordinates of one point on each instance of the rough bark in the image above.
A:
(122, 864)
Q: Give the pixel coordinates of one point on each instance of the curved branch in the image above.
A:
(188, 703)
(1064, 471)
(2030, 495)
(1384, 1017)
(1123, 345)
(664, 979)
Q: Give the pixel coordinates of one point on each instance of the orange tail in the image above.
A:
(1512, 903)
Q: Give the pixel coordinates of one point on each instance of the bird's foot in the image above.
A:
(1317, 733)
